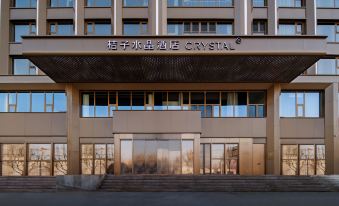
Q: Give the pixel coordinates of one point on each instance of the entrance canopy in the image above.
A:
(82, 59)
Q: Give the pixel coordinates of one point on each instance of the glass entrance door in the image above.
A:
(157, 156)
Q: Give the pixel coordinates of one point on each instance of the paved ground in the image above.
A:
(170, 199)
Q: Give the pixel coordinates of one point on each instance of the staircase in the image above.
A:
(158, 183)
(27, 184)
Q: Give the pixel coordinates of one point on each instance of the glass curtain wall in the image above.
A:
(211, 104)
(97, 159)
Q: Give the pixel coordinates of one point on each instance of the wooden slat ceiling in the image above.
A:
(174, 68)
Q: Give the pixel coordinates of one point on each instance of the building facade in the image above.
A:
(229, 87)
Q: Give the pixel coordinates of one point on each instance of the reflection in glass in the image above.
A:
(12, 158)
(39, 160)
(60, 159)
(217, 159)
(86, 159)
(289, 159)
(38, 102)
(99, 159)
(126, 157)
(231, 158)
(187, 156)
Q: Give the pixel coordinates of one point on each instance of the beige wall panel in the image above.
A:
(15, 49)
(60, 13)
(98, 13)
(157, 122)
(96, 127)
(22, 14)
(233, 127)
(245, 156)
(258, 159)
(21, 140)
(96, 140)
(327, 13)
(135, 13)
(333, 48)
(302, 141)
(200, 13)
(302, 128)
(259, 13)
(33, 124)
(294, 13)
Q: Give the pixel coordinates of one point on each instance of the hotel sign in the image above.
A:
(172, 45)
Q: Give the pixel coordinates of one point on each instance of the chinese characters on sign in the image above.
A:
(170, 45)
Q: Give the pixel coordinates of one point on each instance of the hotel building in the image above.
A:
(229, 87)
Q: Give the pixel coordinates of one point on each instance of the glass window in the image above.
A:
(290, 3)
(23, 102)
(205, 158)
(231, 158)
(259, 27)
(60, 102)
(98, 28)
(326, 67)
(300, 104)
(138, 100)
(61, 3)
(174, 101)
(218, 164)
(126, 157)
(99, 3)
(259, 3)
(24, 3)
(320, 158)
(23, 29)
(24, 67)
(135, 28)
(289, 159)
(101, 104)
(327, 30)
(290, 28)
(187, 156)
(124, 100)
(60, 159)
(61, 28)
(328, 3)
(135, 3)
(88, 104)
(86, 159)
(307, 160)
(12, 159)
(200, 3)
(3, 102)
(39, 160)
(160, 100)
(287, 104)
(38, 102)
(224, 28)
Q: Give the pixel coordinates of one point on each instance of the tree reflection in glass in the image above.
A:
(13, 156)
(60, 159)
(39, 160)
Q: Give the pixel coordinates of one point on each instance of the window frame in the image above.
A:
(265, 4)
(32, 5)
(202, 6)
(58, 2)
(296, 24)
(93, 25)
(56, 25)
(141, 24)
(95, 6)
(126, 6)
(31, 31)
(258, 23)
(302, 4)
(32, 69)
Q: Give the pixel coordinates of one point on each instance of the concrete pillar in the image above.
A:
(273, 130)
(331, 129)
(79, 15)
(240, 20)
(152, 17)
(41, 16)
(311, 17)
(196, 152)
(272, 22)
(4, 37)
(117, 17)
(162, 15)
(73, 129)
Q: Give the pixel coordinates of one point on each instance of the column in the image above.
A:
(162, 15)
(272, 22)
(117, 17)
(240, 19)
(41, 16)
(311, 17)
(4, 37)
(331, 129)
(73, 129)
(152, 17)
(79, 15)
(273, 131)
